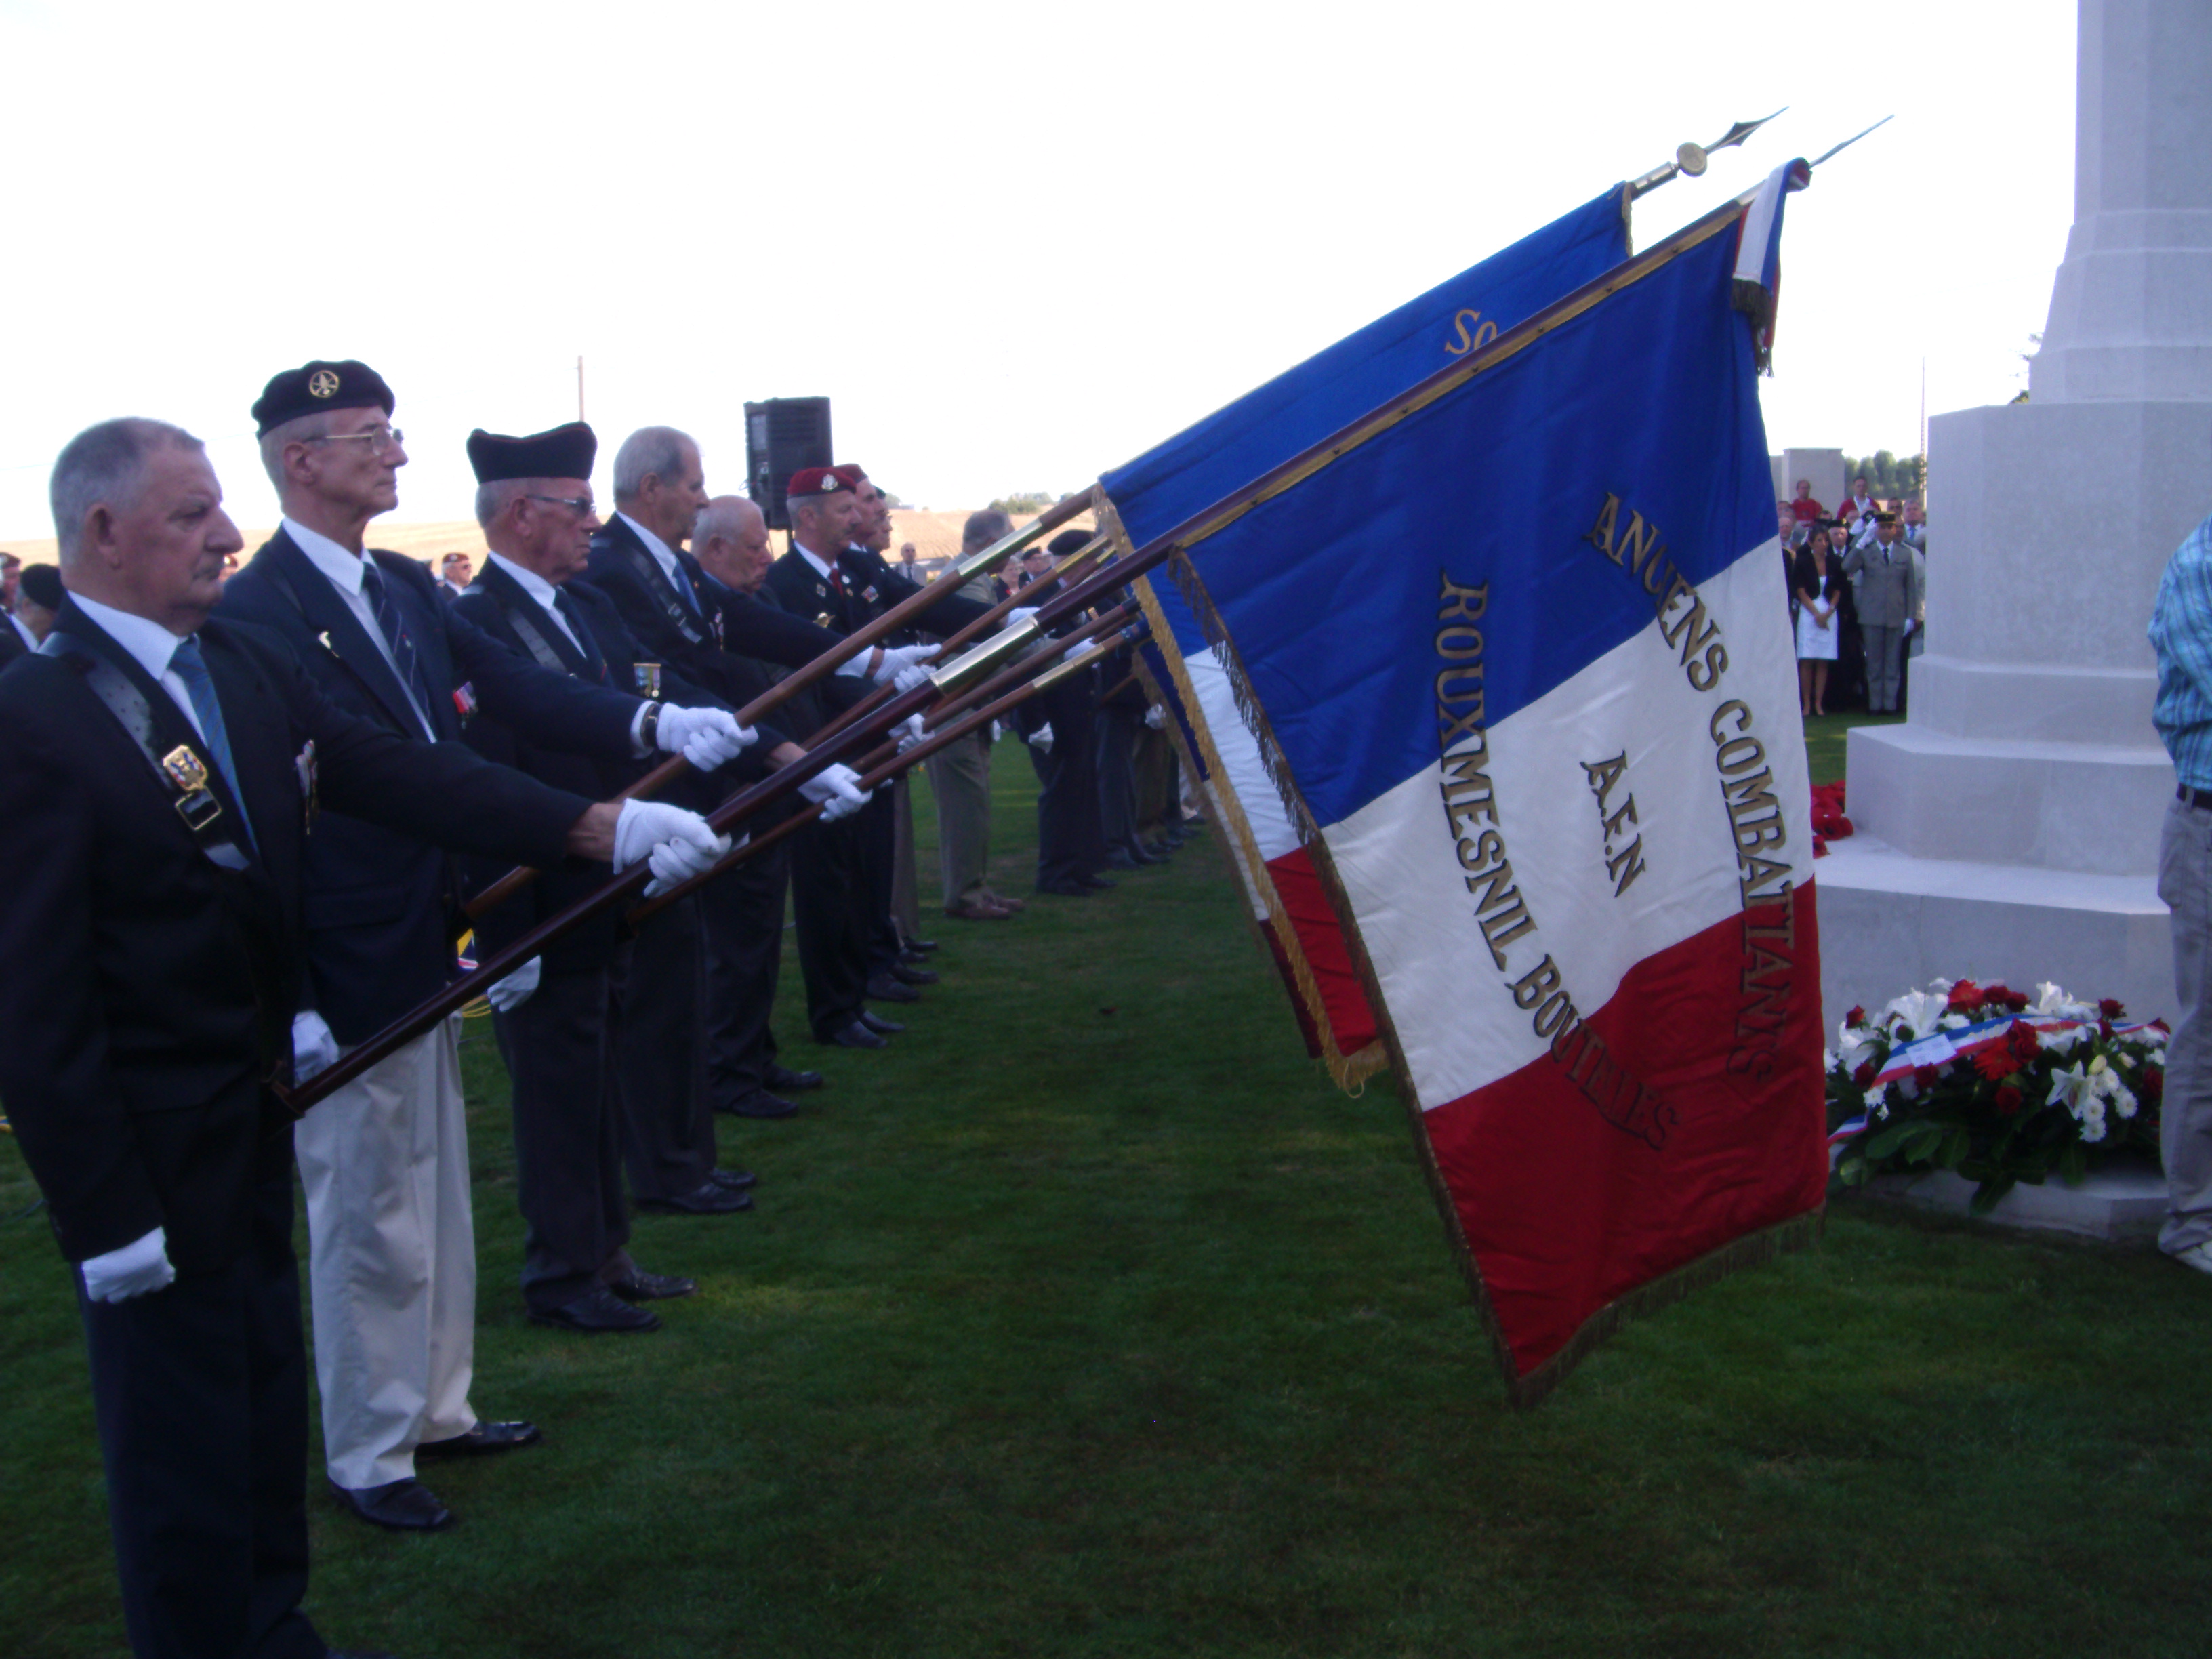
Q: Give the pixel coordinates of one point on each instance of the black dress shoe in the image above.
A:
(883, 989)
(736, 1180)
(783, 1077)
(708, 1198)
(856, 1035)
(1065, 889)
(907, 974)
(484, 1437)
(400, 1505)
(924, 946)
(1098, 883)
(639, 1286)
(1120, 859)
(357, 1653)
(878, 1024)
(595, 1313)
(759, 1104)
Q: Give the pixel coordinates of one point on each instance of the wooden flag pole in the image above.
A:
(860, 638)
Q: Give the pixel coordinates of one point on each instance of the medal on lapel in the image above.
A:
(196, 802)
(465, 700)
(648, 680)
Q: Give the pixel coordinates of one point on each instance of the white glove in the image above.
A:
(837, 790)
(314, 1049)
(898, 659)
(677, 845)
(510, 994)
(708, 738)
(910, 733)
(997, 731)
(907, 678)
(1156, 717)
(139, 1266)
(1020, 614)
(1041, 737)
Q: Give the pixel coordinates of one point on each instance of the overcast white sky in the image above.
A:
(1016, 244)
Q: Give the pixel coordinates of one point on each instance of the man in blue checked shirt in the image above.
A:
(2181, 635)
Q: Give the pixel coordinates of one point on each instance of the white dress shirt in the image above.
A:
(343, 567)
(541, 591)
(150, 645)
(30, 640)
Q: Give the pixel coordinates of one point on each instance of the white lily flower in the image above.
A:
(1942, 987)
(2060, 1042)
(2070, 1088)
(1921, 1011)
(2053, 1003)
(1953, 1023)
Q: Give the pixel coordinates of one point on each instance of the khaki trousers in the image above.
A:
(2184, 871)
(960, 777)
(391, 1260)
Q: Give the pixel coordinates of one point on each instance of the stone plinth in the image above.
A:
(2009, 827)
(1890, 922)
(1825, 467)
(2121, 1203)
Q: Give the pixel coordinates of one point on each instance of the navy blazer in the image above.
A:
(485, 605)
(150, 991)
(382, 905)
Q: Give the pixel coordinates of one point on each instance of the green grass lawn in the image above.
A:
(1093, 1320)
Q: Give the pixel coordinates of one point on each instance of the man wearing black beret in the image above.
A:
(384, 1160)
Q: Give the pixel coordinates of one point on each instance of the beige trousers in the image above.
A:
(391, 1262)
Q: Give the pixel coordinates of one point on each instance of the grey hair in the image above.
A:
(492, 498)
(723, 516)
(105, 466)
(983, 528)
(299, 429)
(648, 451)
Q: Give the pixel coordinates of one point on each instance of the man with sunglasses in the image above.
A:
(384, 1160)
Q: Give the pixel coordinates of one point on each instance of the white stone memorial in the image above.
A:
(2009, 829)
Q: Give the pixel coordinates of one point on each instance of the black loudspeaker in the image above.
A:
(784, 435)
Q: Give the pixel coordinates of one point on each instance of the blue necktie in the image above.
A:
(395, 635)
(191, 668)
(684, 584)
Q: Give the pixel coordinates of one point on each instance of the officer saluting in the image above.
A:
(157, 772)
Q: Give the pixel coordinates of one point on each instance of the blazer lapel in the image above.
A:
(511, 597)
(338, 631)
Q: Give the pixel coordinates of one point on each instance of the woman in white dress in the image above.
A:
(1816, 580)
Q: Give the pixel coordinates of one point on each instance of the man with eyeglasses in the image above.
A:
(384, 1160)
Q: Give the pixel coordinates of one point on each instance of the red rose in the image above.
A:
(2111, 1008)
(2104, 1030)
(1924, 1077)
(1996, 992)
(2006, 1099)
(2015, 1001)
(2154, 1083)
(1865, 1075)
(2022, 1042)
(1965, 995)
(1856, 1017)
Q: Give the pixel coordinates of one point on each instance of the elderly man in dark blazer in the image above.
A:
(384, 1163)
(160, 772)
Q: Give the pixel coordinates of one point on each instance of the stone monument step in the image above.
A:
(2122, 1203)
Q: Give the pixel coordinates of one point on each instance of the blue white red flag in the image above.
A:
(1526, 673)
(1238, 444)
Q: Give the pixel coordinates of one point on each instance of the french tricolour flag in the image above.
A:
(1523, 660)
(1266, 836)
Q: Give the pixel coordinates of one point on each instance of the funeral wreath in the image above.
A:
(1981, 1080)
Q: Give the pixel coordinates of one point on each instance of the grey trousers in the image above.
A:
(906, 907)
(2184, 871)
(960, 778)
(1885, 653)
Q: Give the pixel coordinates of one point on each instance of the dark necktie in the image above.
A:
(191, 668)
(396, 636)
(581, 634)
(683, 586)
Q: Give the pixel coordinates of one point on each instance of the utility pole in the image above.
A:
(580, 386)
